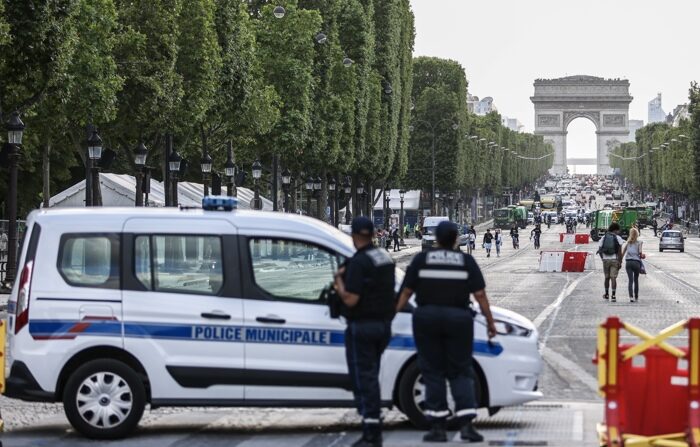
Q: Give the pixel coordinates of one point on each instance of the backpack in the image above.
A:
(610, 244)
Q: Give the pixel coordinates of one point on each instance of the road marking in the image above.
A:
(559, 361)
(577, 428)
(560, 299)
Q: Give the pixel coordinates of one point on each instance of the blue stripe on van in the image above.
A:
(70, 329)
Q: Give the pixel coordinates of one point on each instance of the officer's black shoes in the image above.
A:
(469, 434)
(437, 433)
(368, 441)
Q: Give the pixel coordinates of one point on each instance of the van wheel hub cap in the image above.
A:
(104, 400)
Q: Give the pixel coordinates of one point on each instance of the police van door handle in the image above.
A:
(216, 315)
(271, 319)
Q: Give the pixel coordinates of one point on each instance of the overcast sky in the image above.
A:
(504, 45)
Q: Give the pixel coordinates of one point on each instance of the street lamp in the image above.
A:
(94, 155)
(347, 62)
(230, 171)
(279, 12)
(318, 184)
(402, 194)
(257, 173)
(140, 156)
(347, 190)
(332, 187)
(174, 162)
(387, 198)
(205, 165)
(386, 85)
(15, 132)
(321, 38)
(360, 190)
(286, 182)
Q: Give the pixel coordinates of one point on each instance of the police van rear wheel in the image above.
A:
(104, 399)
(412, 395)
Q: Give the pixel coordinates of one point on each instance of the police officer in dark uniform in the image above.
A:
(366, 288)
(443, 328)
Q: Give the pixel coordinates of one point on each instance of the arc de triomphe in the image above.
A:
(603, 101)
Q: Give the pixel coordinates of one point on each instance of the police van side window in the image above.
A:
(179, 263)
(89, 260)
(291, 269)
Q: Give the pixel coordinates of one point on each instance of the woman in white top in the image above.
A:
(633, 255)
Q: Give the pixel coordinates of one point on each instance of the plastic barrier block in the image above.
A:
(653, 393)
(551, 261)
(582, 238)
(590, 262)
(574, 261)
(569, 239)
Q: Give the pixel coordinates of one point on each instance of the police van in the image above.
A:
(119, 308)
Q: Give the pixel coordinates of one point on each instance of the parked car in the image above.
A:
(672, 240)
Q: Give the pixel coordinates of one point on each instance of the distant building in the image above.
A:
(656, 112)
(635, 125)
(480, 107)
(512, 123)
(680, 113)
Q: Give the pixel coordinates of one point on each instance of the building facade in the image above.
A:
(656, 111)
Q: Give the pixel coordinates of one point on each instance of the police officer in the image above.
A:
(366, 288)
(443, 328)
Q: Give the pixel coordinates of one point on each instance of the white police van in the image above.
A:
(118, 308)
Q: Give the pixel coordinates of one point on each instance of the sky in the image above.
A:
(504, 45)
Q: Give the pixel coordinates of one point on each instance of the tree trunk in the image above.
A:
(46, 171)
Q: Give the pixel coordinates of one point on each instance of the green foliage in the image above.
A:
(664, 158)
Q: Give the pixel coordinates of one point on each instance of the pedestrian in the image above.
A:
(417, 229)
(499, 241)
(610, 251)
(488, 239)
(536, 233)
(633, 255)
(472, 239)
(366, 287)
(395, 236)
(443, 328)
(515, 236)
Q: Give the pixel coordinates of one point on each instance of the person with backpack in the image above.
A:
(536, 233)
(633, 255)
(610, 251)
(515, 236)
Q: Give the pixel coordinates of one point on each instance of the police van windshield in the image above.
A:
(430, 230)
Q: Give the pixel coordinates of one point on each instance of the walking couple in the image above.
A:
(612, 250)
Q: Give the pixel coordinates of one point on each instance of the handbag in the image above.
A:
(642, 268)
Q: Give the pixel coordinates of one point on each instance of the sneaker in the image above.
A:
(468, 433)
(613, 300)
(636, 298)
(631, 300)
(437, 433)
(606, 297)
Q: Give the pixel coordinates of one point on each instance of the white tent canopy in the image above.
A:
(120, 190)
(411, 200)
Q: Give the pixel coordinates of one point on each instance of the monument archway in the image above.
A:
(605, 102)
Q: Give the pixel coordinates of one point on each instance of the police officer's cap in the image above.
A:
(363, 226)
(446, 233)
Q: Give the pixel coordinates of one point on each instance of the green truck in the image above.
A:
(504, 218)
(603, 218)
(645, 214)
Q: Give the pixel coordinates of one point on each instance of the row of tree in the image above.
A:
(472, 152)
(325, 88)
(664, 158)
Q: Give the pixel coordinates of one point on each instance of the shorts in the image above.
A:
(487, 246)
(611, 268)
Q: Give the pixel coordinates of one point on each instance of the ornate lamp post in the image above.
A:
(230, 171)
(279, 12)
(318, 184)
(286, 183)
(332, 187)
(94, 155)
(402, 195)
(257, 173)
(205, 165)
(140, 156)
(387, 198)
(310, 190)
(15, 132)
(360, 190)
(347, 190)
(174, 162)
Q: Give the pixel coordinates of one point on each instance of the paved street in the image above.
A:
(565, 306)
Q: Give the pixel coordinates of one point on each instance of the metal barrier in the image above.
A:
(651, 389)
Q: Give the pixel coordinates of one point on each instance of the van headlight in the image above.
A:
(506, 328)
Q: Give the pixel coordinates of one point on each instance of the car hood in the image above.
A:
(509, 316)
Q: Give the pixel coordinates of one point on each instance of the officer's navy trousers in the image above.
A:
(444, 337)
(365, 341)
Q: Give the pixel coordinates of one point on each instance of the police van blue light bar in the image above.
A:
(219, 203)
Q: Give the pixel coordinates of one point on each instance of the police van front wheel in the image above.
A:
(412, 395)
(104, 399)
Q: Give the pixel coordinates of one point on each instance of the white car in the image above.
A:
(116, 308)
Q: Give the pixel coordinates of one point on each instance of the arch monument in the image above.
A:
(603, 101)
